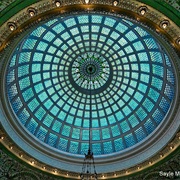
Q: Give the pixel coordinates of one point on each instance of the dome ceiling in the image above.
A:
(63, 64)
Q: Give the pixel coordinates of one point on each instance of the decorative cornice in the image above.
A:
(44, 8)
(144, 169)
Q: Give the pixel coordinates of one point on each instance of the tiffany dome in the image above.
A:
(98, 72)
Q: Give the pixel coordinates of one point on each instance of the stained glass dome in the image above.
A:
(75, 66)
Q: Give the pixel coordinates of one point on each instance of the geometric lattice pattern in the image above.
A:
(133, 100)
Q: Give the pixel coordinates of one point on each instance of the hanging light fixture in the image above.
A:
(88, 168)
(86, 1)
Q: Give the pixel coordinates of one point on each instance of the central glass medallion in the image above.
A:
(90, 71)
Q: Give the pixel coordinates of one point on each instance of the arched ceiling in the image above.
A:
(160, 76)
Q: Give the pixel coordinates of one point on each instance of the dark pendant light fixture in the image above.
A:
(88, 168)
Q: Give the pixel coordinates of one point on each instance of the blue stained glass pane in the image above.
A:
(105, 133)
(105, 31)
(58, 28)
(41, 133)
(76, 133)
(143, 56)
(119, 115)
(167, 60)
(131, 36)
(13, 61)
(124, 126)
(153, 94)
(73, 147)
(164, 104)
(96, 149)
(33, 104)
(142, 88)
(118, 144)
(38, 57)
(83, 19)
(84, 148)
(38, 32)
(70, 22)
(135, 67)
(85, 29)
(95, 135)
(133, 120)
(56, 126)
(32, 125)
(156, 57)
(51, 22)
(138, 46)
(74, 31)
(85, 135)
(29, 44)
(114, 35)
(35, 68)
(158, 70)
(145, 78)
(96, 19)
(66, 130)
(170, 77)
(109, 22)
(63, 144)
(69, 119)
(129, 139)
(138, 96)
(95, 123)
(36, 78)
(157, 83)
(49, 36)
(11, 76)
(48, 120)
(115, 131)
(149, 126)
(141, 114)
(127, 21)
(43, 96)
(141, 31)
(42, 46)
(169, 92)
(148, 104)
(103, 122)
(151, 44)
(62, 115)
(158, 116)
(121, 28)
(111, 119)
(28, 94)
(128, 49)
(23, 116)
(108, 147)
(52, 140)
(133, 104)
(40, 112)
(140, 134)
(145, 67)
(12, 91)
(24, 57)
(78, 122)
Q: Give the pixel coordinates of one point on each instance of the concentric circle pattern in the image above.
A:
(91, 71)
(52, 70)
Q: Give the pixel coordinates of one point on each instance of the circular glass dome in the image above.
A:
(73, 68)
